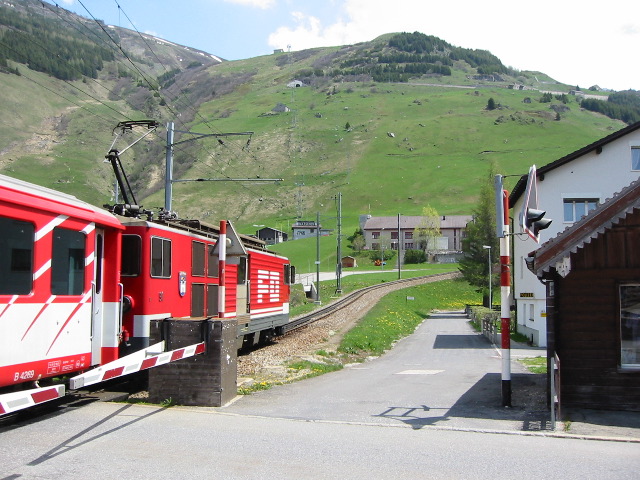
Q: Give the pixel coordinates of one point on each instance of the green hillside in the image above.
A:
(388, 148)
(394, 124)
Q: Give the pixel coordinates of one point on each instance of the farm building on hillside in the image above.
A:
(271, 235)
(348, 261)
(592, 277)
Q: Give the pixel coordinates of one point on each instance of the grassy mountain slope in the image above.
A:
(407, 145)
(388, 147)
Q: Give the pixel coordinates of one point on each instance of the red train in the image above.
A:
(79, 286)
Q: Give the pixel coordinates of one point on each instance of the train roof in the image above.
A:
(196, 227)
(36, 196)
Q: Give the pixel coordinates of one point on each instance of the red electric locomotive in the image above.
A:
(172, 269)
(79, 286)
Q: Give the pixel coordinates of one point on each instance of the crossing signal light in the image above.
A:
(534, 222)
(531, 219)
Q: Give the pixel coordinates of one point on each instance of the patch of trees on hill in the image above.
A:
(417, 42)
(46, 46)
(410, 55)
(623, 106)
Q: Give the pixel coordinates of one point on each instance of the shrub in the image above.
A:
(415, 256)
(378, 255)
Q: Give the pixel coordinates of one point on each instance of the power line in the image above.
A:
(133, 66)
(29, 38)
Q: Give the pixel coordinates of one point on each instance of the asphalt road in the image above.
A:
(445, 374)
(428, 409)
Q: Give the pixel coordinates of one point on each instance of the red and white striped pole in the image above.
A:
(505, 314)
(222, 266)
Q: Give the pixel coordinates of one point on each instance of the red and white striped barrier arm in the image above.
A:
(12, 402)
(152, 356)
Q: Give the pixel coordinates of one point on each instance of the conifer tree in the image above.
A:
(481, 231)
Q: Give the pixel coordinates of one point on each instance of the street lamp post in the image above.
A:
(399, 248)
(488, 247)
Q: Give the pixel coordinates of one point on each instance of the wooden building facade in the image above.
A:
(592, 276)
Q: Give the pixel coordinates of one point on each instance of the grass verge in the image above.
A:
(399, 313)
(535, 364)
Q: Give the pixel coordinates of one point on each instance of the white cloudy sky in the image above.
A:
(578, 43)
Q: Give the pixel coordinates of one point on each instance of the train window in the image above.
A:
(289, 274)
(67, 262)
(197, 259)
(212, 262)
(242, 271)
(197, 300)
(160, 257)
(131, 255)
(99, 259)
(16, 257)
(212, 300)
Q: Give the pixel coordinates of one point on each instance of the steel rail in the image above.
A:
(350, 298)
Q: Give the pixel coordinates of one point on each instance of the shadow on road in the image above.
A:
(484, 401)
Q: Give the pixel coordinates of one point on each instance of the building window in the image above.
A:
(394, 235)
(635, 158)
(408, 245)
(375, 246)
(630, 326)
(576, 208)
(375, 234)
(408, 235)
(160, 257)
(394, 245)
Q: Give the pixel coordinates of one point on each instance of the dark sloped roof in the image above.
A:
(519, 189)
(589, 227)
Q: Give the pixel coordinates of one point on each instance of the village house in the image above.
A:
(306, 229)
(567, 189)
(592, 277)
(389, 232)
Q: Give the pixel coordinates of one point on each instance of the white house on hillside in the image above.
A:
(567, 189)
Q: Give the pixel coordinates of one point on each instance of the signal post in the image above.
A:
(502, 231)
(531, 221)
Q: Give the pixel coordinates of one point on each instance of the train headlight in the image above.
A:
(127, 303)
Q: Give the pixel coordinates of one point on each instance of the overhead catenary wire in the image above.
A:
(131, 64)
(118, 47)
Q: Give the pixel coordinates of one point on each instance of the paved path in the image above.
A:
(445, 374)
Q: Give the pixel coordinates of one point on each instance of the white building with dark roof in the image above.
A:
(567, 189)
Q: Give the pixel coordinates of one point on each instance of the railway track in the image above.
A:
(352, 297)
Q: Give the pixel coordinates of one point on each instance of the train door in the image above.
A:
(242, 290)
(198, 270)
(97, 301)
